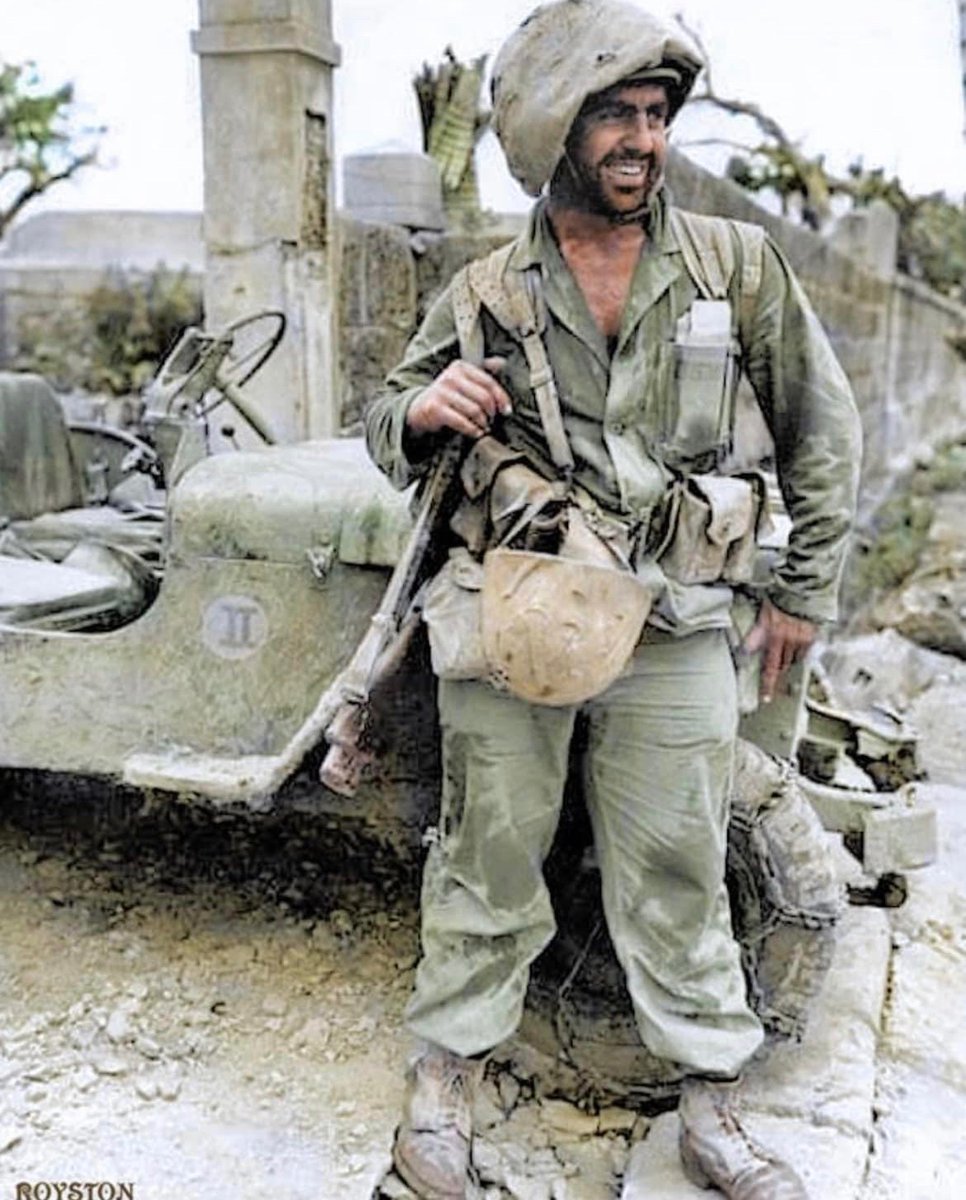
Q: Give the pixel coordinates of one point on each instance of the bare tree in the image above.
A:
(932, 229)
(776, 163)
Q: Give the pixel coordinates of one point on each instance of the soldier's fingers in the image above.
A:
(482, 378)
(791, 653)
(471, 383)
(456, 403)
(771, 669)
(452, 418)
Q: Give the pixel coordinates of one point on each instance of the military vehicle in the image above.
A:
(185, 624)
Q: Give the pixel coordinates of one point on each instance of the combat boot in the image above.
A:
(432, 1148)
(716, 1151)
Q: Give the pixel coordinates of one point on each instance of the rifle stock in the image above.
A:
(382, 649)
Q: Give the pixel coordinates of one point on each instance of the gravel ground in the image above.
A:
(203, 1007)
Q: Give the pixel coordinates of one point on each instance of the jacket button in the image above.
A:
(617, 427)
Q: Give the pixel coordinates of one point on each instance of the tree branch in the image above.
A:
(715, 141)
(40, 183)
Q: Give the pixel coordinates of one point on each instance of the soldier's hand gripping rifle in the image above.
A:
(384, 645)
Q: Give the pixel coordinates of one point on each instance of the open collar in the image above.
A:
(660, 264)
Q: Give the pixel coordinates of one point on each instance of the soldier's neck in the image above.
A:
(578, 226)
(602, 257)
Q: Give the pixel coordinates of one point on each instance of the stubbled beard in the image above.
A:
(582, 190)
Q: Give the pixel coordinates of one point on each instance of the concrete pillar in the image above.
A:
(266, 91)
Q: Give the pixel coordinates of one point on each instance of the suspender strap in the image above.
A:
(466, 311)
(516, 305)
(713, 249)
(710, 260)
(708, 246)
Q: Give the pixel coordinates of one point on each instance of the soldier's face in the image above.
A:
(618, 148)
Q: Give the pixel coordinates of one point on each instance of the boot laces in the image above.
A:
(455, 1090)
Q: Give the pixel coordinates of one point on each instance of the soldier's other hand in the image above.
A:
(783, 640)
(464, 398)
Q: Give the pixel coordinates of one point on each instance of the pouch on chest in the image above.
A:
(699, 411)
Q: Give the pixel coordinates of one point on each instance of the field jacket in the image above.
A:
(621, 421)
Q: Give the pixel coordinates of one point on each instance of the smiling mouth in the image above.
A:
(628, 174)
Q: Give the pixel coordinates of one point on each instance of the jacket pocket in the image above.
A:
(698, 377)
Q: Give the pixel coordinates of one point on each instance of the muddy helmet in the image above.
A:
(557, 631)
(563, 53)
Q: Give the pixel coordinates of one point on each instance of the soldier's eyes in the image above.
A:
(626, 114)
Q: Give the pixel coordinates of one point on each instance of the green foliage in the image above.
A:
(40, 144)
(116, 337)
(946, 472)
(889, 550)
(932, 244)
(453, 123)
(783, 169)
(932, 229)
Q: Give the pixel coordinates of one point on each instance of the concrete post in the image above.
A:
(266, 91)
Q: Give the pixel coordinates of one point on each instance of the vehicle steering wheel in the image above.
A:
(202, 363)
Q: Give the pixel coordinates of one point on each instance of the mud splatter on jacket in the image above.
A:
(619, 416)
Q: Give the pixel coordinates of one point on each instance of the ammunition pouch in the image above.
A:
(713, 526)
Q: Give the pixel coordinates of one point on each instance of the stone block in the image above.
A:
(395, 189)
(899, 838)
(831, 1163)
(368, 354)
(828, 1079)
(377, 276)
(870, 235)
(923, 1029)
(918, 1151)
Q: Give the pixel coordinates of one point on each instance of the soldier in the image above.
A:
(595, 355)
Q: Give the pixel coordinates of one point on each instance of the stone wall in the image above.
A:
(891, 333)
(377, 308)
(387, 281)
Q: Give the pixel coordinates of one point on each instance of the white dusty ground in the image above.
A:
(206, 1039)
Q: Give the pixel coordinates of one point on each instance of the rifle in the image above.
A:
(390, 631)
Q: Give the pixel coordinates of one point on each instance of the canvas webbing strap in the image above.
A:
(517, 305)
(707, 245)
(466, 310)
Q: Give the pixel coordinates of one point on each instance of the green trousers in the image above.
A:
(657, 776)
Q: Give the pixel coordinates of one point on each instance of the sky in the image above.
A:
(876, 79)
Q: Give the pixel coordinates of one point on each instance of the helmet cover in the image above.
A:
(566, 51)
(557, 631)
